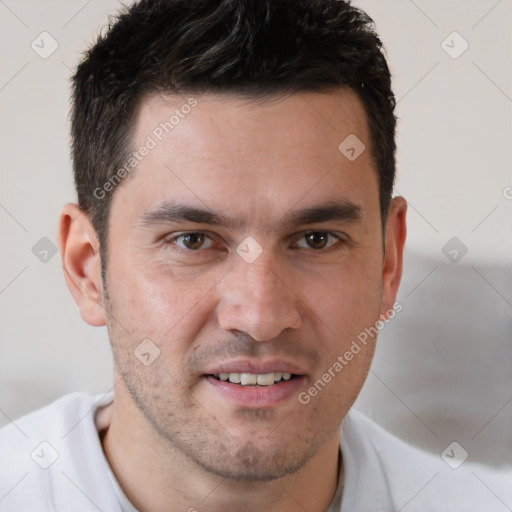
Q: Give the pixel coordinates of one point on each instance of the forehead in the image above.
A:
(312, 122)
(234, 152)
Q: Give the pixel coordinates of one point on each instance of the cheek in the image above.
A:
(345, 299)
(344, 312)
(157, 304)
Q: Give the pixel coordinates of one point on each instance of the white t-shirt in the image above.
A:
(52, 461)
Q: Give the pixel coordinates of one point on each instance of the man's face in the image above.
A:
(246, 242)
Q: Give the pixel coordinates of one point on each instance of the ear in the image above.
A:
(396, 232)
(79, 250)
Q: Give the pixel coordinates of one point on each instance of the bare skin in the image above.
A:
(179, 438)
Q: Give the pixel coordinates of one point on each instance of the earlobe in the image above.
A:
(79, 250)
(396, 231)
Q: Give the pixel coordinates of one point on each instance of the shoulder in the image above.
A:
(54, 422)
(394, 475)
(51, 457)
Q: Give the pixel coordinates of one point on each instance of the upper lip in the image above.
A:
(255, 367)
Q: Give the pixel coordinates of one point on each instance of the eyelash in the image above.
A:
(337, 239)
(173, 239)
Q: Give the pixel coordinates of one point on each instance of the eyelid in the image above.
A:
(214, 238)
(172, 237)
(207, 241)
(325, 232)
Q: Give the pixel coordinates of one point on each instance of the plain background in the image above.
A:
(443, 369)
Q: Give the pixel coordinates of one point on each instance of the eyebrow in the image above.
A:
(167, 212)
(176, 213)
(333, 210)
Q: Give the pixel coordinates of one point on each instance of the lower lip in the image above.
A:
(257, 397)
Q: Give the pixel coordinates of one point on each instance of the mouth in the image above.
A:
(255, 380)
(251, 385)
(255, 384)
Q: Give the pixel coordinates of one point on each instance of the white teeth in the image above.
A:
(248, 379)
(234, 378)
(253, 379)
(265, 379)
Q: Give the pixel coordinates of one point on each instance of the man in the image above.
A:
(236, 233)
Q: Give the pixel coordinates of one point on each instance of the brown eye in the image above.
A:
(193, 241)
(317, 240)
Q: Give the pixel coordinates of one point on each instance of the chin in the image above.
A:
(250, 463)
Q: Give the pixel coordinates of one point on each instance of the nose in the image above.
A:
(257, 301)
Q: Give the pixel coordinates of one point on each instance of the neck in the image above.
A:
(154, 474)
